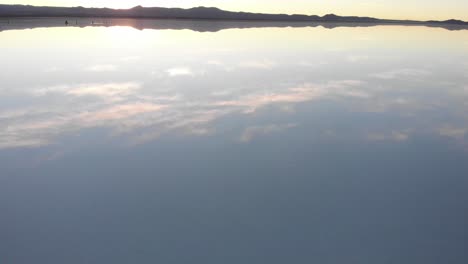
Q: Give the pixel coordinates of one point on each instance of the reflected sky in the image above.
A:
(267, 145)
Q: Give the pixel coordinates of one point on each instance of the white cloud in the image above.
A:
(180, 71)
(101, 68)
(104, 90)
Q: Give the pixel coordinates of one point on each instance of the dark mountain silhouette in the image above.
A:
(200, 13)
(449, 22)
(160, 12)
(199, 25)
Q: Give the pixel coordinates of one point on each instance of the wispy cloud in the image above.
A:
(101, 68)
(453, 132)
(255, 131)
(398, 136)
(303, 93)
(119, 112)
(33, 131)
(401, 74)
(14, 142)
(104, 90)
(130, 58)
(133, 111)
(180, 71)
(259, 64)
(357, 58)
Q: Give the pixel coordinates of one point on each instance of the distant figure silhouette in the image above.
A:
(66, 22)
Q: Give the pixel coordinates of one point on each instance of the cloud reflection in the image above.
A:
(112, 91)
(102, 68)
(401, 74)
(141, 114)
(302, 93)
(241, 82)
(128, 107)
(398, 136)
(254, 131)
(180, 71)
(259, 64)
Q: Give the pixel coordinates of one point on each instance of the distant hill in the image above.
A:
(207, 13)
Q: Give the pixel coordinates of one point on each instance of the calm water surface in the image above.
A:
(260, 145)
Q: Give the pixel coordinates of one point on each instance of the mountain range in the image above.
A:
(205, 13)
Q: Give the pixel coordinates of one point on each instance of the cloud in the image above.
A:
(105, 90)
(398, 136)
(312, 64)
(456, 133)
(259, 64)
(39, 125)
(401, 74)
(101, 68)
(119, 112)
(357, 58)
(110, 92)
(255, 131)
(140, 115)
(303, 93)
(32, 131)
(14, 142)
(453, 132)
(180, 71)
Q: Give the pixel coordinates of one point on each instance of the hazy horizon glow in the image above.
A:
(397, 9)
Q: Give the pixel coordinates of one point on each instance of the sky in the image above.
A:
(398, 9)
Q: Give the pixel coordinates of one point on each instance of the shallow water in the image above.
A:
(259, 145)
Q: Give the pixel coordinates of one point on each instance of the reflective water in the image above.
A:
(259, 145)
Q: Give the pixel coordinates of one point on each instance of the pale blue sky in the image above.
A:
(411, 9)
